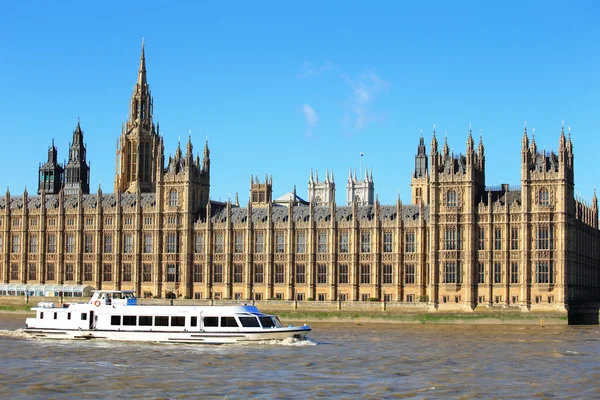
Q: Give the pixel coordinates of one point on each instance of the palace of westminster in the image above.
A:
(459, 244)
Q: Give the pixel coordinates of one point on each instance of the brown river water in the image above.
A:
(340, 360)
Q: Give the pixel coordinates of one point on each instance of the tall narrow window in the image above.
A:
(238, 273)
(300, 273)
(259, 242)
(70, 245)
(172, 243)
(88, 272)
(52, 243)
(219, 243)
(543, 238)
(199, 243)
(89, 243)
(409, 242)
(497, 272)
(147, 273)
(33, 243)
(108, 247)
(69, 276)
(388, 242)
(322, 273)
(514, 272)
(16, 244)
(259, 275)
(344, 244)
(544, 197)
(481, 238)
(127, 272)
(343, 273)
(128, 243)
(451, 198)
(279, 242)
(238, 242)
(322, 242)
(14, 271)
(173, 198)
(388, 275)
(301, 242)
(409, 274)
(365, 274)
(481, 273)
(197, 273)
(497, 239)
(218, 273)
(107, 273)
(514, 239)
(279, 273)
(365, 242)
(32, 269)
(147, 243)
(50, 272)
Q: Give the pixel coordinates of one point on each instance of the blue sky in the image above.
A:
(282, 87)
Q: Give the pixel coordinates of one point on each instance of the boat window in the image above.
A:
(249, 322)
(266, 321)
(41, 315)
(194, 321)
(83, 316)
(145, 320)
(229, 322)
(68, 315)
(161, 321)
(55, 315)
(211, 322)
(129, 320)
(115, 320)
(177, 321)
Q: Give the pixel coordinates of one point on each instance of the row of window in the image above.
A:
(544, 240)
(544, 273)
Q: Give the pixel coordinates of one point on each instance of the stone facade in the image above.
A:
(460, 244)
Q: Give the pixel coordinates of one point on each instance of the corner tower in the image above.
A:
(419, 182)
(50, 173)
(77, 171)
(139, 145)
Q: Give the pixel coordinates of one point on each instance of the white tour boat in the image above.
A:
(115, 315)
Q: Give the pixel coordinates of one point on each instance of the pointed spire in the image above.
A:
(317, 176)
(178, 151)
(562, 141)
(525, 141)
(434, 143)
(237, 199)
(326, 175)
(480, 148)
(142, 70)
(446, 149)
(189, 148)
(533, 147)
(470, 141)
(310, 179)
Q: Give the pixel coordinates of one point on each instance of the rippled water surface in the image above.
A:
(341, 360)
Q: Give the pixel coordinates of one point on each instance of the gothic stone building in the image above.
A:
(459, 245)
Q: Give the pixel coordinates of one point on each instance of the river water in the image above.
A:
(340, 360)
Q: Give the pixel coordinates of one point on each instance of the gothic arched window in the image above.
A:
(451, 198)
(544, 197)
(173, 198)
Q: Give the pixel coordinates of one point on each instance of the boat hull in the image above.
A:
(172, 337)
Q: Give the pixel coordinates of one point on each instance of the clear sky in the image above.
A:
(282, 87)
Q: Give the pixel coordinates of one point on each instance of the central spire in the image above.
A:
(142, 71)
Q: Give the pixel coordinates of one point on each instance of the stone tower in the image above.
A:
(138, 149)
(360, 190)
(50, 173)
(261, 194)
(77, 171)
(419, 182)
(321, 193)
